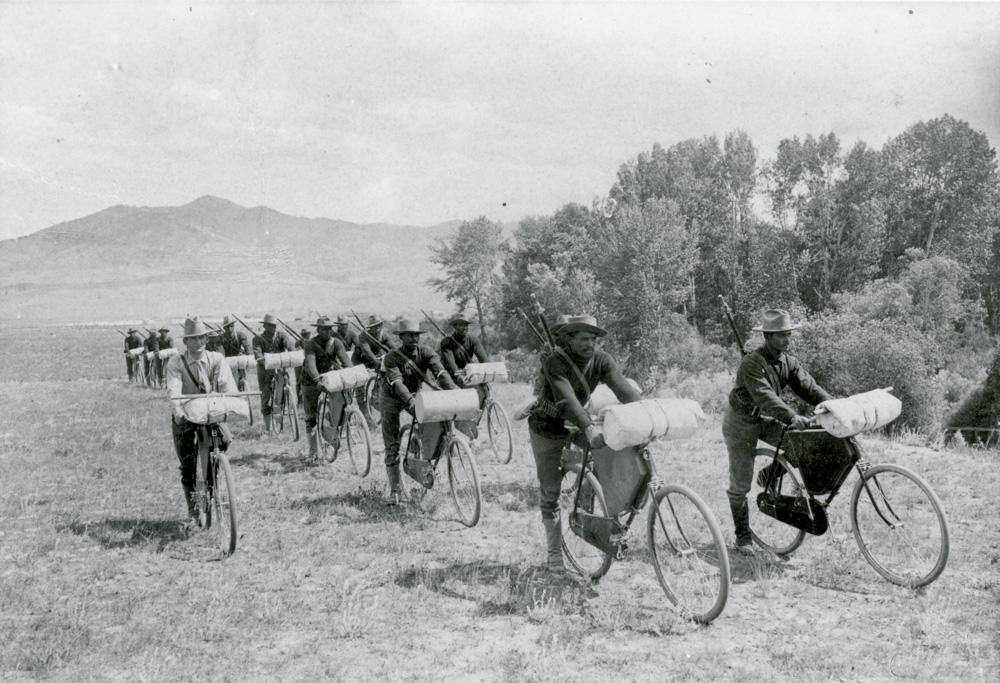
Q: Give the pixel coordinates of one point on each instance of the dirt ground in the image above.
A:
(99, 581)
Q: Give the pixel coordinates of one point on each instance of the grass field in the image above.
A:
(99, 581)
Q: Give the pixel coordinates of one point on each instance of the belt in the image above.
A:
(744, 407)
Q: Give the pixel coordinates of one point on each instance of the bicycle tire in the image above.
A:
(921, 507)
(373, 401)
(241, 385)
(359, 442)
(224, 503)
(323, 420)
(201, 493)
(289, 404)
(590, 561)
(780, 538)
(693, 546)
(467, 496)
(498, 431)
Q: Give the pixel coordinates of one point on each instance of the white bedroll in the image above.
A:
(135, 353)
(214, 409)
(637, 423)
(602, 397)
(844, 417)
(344, 379)
(448, 404)
(288, 359)
(244, 362)
(164, 354)
(481, 373)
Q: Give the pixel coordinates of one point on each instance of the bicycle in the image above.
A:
(442, 439)
(686, 544)
(287, 406)
(903, 533)
(372, 397)
(333, 412)
(497, 425)
(215, 491)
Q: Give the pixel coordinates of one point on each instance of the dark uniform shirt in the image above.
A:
(349, 338)
(456, 356)
(214, 343)
(166, 342)
(563, 397)
(132, 341)
(322, 358)
(276, 343)
(405, 379)
(152, 343)
(234, 344)
(367, 351)
(761, 379)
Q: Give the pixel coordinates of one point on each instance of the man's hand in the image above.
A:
(410, 407)
(799, 422)
(595, 437)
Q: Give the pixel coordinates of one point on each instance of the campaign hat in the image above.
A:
(323, 321)
(132, 330)
(343, 320)
(411, 325)
(373, 321)
(459, 320)
(270, 320)
(163, 329)
(559, 324)
(776, 320)
(582, 323)
(194, 327)
(227, 321)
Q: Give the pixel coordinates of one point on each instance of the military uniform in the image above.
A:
(166, 342)
(132, 341)
(456, 354)
(152, 345)
(231, 343)
(321, 356)
(264, 343)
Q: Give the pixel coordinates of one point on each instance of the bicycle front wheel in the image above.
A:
(774, 476)
(241, 384)
(224, 503)
(359, 442)
(373, 401)
(689, 553)
(463, 481)
(288, 405)
(498, 430)
(590, 561)
(899, 525)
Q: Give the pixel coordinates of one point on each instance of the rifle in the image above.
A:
(255, 335)
(531, 325)
(121, 333)
(446, 336)
(292, 332)
(421, 373)
(732, 325)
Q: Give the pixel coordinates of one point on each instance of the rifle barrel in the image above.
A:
(290, 330)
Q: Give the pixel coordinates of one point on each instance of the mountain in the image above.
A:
(211, 257)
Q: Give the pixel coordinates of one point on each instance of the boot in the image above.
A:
(741, 522)
(267, 424)
(194, 518)
(395, 485)
(312, 436)
(553, 545)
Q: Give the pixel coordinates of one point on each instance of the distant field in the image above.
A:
(97, 580)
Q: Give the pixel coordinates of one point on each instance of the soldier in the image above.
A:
(132, 341)
(406, 368)
(195, 371)
(762, 376)
(300, 343)
(166, 342)
(271, 341)
(369, 351)
(325, 352)
(346, 334)
(232, 343)
(459, 348)
(568, 376)
(214, 340)
(152, 345)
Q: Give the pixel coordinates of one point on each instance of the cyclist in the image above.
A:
(300, 343)
(165, 342)
(324, 352)
(460, 348)
(234, 344)
(270, 341)
(568, 376)
(152, 345)
(762, 376)
(369, 351)
(196, 371)
(347, 335)
(132, 341)
(405, 369)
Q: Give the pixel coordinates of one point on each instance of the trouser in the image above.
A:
(129, 367)
(147, 365)
(270, 396)
(186, 447)
(241, 380)
(548, 453)
(741, 433)
(391, 408)
(300, 384)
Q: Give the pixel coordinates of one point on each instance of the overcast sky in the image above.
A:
(426, 112)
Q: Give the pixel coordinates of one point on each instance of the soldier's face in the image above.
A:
(323, 333)
(228, 329)
(269, 329)
(582, 344)
(341, 329)
(196, 344)
(778, 341)
(461, 331)
(410, 340)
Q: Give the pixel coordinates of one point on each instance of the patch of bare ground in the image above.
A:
(98, 580)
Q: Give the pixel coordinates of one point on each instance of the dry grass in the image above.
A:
(97, 579)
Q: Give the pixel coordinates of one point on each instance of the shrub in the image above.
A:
(982, 407)
(847, 356)
(522, 365)
(709, 389)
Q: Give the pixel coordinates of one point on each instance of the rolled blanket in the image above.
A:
(481, 373)
(241, 362)
(602, 397)
(344, 379)
(164, 354)
(288, 359)
(214, 409)
(637, 423)
(844, 417)
(449, 404)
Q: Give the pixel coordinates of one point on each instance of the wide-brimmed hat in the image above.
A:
(305, 331)
(459, 320)
(227, 321)
(270, 320)
(132, 330)
(343, 320)
(559, 324)
(163, 329)
(581, 323)
(374, 321)
(323, 321)
(194, 327)
(776, 320)
(411, 325)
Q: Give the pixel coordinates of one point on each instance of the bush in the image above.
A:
(848, 356)
(709, 389)
(982, 407)
(522, 365)
(683, 348)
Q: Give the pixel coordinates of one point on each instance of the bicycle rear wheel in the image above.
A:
(498, 430)
(224, 503)
(373, 401)
(359, 442)
(590, 561)
(899, 525)
(290, 408)
(325, 428)
(689, 553)
(241, 384)
(463, 481)
(201, 482)
(773, 476)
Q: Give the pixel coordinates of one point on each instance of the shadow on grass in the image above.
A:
(129, 533)
(527, 492)
(502, 589)
(270, 462)
(749, 569)
(364, 505)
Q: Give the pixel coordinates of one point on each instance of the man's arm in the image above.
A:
(613, 377)
(479, 351)
(341, 353)
(556, 374)
(224, 376)
(258, 351)
(309, 366)
(753, 376)
(394, 376)
(433, 362)
(175, 384)
(448, 357)
(803, 384)
(365, 349)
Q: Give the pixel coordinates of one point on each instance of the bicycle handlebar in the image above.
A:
(191, 397)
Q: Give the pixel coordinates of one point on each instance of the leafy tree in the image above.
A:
(470, 261)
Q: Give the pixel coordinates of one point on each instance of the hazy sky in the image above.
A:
(425, 112)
